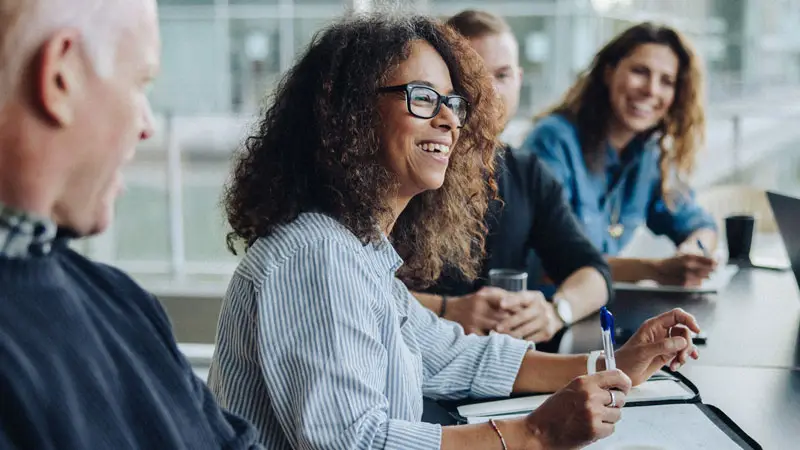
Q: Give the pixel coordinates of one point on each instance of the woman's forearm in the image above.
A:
(430, 301)
(585, 290)
(547, 372)
(631, 270)
(483, 436)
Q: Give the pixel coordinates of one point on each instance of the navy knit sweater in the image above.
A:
(88, 361)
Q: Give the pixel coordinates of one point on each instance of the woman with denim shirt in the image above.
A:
(622, 141)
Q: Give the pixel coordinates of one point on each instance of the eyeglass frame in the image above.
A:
(441, 100)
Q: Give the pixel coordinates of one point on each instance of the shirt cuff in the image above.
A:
(500, 365)
(403, 435)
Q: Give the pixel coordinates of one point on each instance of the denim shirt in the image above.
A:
(628, 192)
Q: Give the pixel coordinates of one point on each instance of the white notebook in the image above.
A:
(649, 390)
(666, 427)
(715, 283)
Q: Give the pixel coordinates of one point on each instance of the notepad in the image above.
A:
(666, 427)
(651, 390)
(715, 283)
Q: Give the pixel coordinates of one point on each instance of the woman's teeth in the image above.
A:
(641, 108)
(434, 148)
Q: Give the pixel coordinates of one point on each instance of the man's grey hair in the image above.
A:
(26, 24)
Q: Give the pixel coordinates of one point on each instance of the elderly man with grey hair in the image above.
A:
(87, 358)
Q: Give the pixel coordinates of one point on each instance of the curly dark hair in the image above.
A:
(317, 148)
(680, 134)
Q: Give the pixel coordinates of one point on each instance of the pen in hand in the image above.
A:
(607, 327)
(703, 249)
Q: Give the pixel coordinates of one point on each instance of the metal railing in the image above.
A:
(214, 138)
(728, 154)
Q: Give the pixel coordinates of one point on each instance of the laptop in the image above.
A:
(786, 210)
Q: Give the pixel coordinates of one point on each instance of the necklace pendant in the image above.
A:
(616, 230)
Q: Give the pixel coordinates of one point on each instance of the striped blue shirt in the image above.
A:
(321, 347)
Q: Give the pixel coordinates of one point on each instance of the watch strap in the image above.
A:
(557, 301)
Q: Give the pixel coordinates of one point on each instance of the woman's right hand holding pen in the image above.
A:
(683, 269)
(589, 406)
(583, 411)
(580, 413)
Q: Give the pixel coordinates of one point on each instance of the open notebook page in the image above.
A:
(666, 427)
(656, 427)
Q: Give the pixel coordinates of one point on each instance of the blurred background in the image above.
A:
(221, 58)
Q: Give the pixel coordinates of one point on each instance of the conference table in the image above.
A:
(753, 322)
(749, 366)
(764, 402)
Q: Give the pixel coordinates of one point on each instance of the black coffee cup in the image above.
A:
(739, 232)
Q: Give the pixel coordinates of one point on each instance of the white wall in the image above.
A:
(195, 74)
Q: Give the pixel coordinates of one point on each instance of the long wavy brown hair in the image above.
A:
(682, 131)
(317, 148)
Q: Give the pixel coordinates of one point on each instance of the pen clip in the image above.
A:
(611, 330)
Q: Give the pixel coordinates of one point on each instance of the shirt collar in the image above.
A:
(387, 256)
(612, 157)
(632, 152)
(25, 235)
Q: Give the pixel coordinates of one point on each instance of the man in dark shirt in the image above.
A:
(532, 229)
(87, 358)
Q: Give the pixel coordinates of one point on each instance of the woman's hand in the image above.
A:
(662, 340)
(685, 269)
(581, 412)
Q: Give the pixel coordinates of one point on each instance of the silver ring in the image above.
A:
(613, 403)
(669, 332)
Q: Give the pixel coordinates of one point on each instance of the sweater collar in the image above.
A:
(25, 235)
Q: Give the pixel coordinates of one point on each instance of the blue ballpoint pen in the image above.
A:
(703, 248)
(607, 325)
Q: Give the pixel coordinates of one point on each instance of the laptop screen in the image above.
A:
(786, 210)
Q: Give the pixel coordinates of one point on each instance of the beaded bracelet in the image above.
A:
(497, 430)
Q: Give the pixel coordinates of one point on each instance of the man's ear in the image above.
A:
(58, 76)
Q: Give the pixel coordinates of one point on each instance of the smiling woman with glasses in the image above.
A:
(337, 197)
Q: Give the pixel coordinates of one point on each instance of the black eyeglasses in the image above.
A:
(424, 102)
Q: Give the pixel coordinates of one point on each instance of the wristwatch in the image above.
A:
(564, 310)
